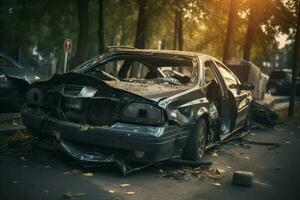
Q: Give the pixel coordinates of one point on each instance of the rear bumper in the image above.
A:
(157, 143)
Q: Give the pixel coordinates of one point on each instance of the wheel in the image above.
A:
(195, 147)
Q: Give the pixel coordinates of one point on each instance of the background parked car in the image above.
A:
(280, 82)
(14, 81)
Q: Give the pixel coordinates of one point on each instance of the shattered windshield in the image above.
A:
(147, 69)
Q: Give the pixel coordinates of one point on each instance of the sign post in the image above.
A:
(67, 50)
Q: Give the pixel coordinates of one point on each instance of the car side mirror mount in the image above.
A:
(246, 86)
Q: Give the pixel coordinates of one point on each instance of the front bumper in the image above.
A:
(8, 95)
(156, 143)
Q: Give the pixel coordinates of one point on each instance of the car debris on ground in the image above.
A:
(263, 115)
(72, 195)
(242, 178)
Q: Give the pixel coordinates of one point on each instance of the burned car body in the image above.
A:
(121, 106)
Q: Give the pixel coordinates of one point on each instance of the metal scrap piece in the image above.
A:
(75, 153)
(97, 157)
(127, 169)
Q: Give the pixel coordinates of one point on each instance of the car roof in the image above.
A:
(130, 50)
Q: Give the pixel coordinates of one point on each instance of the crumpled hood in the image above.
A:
(151, 91)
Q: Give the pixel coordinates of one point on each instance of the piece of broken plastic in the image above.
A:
(98, 157)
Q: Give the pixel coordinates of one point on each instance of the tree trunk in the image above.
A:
(140, 38)
(296, 64)
(232, 17)
(250, 34)
(175, 37)
(101, 45)
(178, 29)
(82, 43)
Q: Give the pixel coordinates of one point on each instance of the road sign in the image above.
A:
(68, 45)
(67, 50)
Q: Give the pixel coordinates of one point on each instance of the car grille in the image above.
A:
(91, 111)
(102, 113)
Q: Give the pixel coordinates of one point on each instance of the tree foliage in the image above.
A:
(30, 24)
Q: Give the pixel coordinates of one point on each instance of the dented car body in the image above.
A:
(128, 105)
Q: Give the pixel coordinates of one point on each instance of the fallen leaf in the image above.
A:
(111, 191)
(220, 171)
(70, 195)
(88, 174)
(253, 134)
(228, 167)
(124, 185)
(14, 124)
(216, 184)
(130, 192)
(23, 158)
(215, 154)
(247, 157)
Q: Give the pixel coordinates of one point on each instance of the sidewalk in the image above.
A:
(276, 103)
(10, 123)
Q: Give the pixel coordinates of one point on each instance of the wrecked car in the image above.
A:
(14, 80)
(124, 106)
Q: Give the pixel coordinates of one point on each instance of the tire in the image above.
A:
(195, 147)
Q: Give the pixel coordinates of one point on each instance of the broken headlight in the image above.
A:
(140, 113)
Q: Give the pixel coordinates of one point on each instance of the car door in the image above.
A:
(242, 98)
(225, 114)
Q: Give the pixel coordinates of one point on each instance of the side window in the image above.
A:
(228, 76)
(138, 70)
(209, 75)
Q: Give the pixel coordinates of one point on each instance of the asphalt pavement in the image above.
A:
(38, 175)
